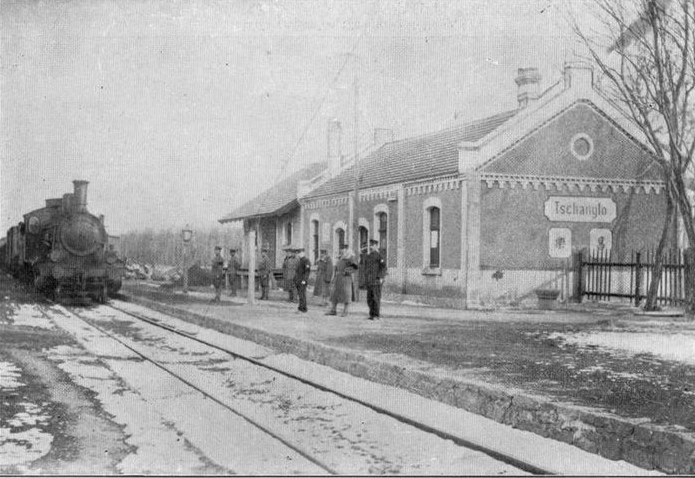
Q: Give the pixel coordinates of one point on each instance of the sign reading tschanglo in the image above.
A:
(579, 209)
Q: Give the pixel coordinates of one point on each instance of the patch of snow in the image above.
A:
(159, 449)
(29, 315)
(31, 416)
(9, 374)
(24, 446)
(410, 302)
(679, 347)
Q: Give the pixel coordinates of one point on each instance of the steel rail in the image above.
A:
(513, 461)
(265, 430)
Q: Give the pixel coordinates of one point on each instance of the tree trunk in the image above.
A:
(657, 267)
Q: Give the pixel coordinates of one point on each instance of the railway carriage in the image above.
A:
(63, 250)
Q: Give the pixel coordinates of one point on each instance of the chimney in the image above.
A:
(80, 195)
(335, 156)
(382, 136)
(528, 81)
(579, 75)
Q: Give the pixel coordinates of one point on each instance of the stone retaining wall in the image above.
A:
(643, 444)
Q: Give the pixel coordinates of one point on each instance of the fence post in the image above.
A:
(578, 276)
(638, 278)
(689, 270)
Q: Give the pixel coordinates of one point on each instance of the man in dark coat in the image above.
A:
(301, 276)
(217, 273)
(289, 265)
(374, 273)
(324, 274)
(264, 269)
(233, 267)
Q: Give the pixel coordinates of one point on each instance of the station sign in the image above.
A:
(580, 209)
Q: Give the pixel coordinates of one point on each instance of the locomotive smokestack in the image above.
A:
(80, 194)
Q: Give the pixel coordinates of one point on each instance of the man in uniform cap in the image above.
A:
(374, 273)
(301, 276)
(233, 267)
(217, 272)
(264, 268)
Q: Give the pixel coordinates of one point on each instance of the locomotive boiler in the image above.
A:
(63, 250)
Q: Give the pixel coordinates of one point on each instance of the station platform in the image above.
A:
(495, 364)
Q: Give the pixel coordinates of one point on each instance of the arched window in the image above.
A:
(315, 240)
(382, 230)
(340, 237)
(364, 237)
(434, 236)
(288, 233)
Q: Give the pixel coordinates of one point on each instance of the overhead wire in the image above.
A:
(329, 88)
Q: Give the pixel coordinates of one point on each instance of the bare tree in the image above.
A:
(645, 50)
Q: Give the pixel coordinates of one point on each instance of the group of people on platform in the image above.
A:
(334, 283)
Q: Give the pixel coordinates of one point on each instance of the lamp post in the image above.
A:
(186, 236)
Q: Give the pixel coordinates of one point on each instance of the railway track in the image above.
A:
(303, 441)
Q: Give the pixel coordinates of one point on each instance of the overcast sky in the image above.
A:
(178, 112)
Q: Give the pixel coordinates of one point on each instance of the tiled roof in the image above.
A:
(430, 155)
(278, 199)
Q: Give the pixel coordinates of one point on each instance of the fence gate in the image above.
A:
(599, 276)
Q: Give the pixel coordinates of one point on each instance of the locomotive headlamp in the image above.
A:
(33, 225)
(186, 234)
(111, 257)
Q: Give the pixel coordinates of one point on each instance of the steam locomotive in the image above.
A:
(64, 250)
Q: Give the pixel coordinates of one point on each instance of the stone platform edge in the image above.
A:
(645, 445)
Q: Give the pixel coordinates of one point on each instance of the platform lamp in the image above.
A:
(186, 236)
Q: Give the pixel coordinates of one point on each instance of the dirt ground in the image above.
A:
(538, 358)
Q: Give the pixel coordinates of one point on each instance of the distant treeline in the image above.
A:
(166, 246)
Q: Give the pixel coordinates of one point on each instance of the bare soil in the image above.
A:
(523, 355)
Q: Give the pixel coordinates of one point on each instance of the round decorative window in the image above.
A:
(582, 146)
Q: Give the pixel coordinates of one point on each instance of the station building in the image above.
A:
(490, 210)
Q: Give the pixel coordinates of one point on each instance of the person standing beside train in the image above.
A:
(217, 273)
(301, 276)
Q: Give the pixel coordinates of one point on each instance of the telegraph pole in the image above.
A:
(356, 196)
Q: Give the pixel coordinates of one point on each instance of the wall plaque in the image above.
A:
(579, 209)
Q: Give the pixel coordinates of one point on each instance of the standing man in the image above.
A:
(232, 271)
(374, 273)
(217, 273)
(289, 265)
(324, 274)
(264, 269)
(301, 276)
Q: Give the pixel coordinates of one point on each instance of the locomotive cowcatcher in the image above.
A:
(63, 250)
